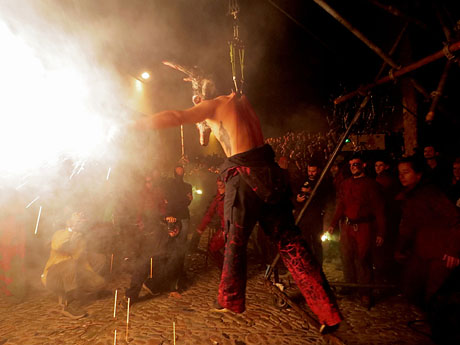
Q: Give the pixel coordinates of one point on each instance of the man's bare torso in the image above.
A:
(235, 125)
(231, 119)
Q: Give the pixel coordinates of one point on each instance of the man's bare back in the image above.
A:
(231, 119)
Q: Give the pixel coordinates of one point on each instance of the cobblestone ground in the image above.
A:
(37, 320)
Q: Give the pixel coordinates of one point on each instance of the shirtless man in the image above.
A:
(256, 190)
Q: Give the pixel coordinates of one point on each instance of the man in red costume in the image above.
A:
(217, 241)
(256, 190)
(360, 206)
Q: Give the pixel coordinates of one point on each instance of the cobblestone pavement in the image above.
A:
(37, 319)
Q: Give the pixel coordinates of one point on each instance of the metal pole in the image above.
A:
(412, 67)
(182, 140)
(357, 33)
(438, 93)
(336, 151)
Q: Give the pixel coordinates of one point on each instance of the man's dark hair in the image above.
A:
(357, 155)
(314, 163)
(415, 161)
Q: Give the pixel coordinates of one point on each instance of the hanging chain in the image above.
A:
(236, 48)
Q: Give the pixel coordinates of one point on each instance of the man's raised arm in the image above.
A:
(173, 118)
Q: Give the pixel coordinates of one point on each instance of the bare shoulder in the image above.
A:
(225, 98)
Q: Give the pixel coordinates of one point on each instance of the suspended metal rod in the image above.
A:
(357, 33)
(442, 82)
(438, 93)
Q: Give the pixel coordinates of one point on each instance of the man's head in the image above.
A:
(410, 171)
(312, 172)
(179, 171)
(456, 169)
(429, 152)
(77, 221)
(357, 167)
(380, 166)
(283, 162)
(220, 186)
(203, 89)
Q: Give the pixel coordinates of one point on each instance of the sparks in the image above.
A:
(63, 113)
(38, 219)
(21, 185)
(30, 203)
(108, 173)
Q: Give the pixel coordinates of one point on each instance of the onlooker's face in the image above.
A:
(283, 163)
(429, 152)
(380, 167)
(77, 221)
(221, 187)
(312, 172)
(356, 167)
(408, 176)
(456, 171)
(179, 171)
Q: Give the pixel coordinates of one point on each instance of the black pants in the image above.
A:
(166, 262)
(243, 208)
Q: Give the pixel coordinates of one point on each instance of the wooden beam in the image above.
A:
(402, 71)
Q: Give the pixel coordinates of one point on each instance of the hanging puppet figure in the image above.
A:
(255, 191)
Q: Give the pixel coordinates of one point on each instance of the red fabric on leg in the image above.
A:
(216, 243)
(232, 287)
(309, 278)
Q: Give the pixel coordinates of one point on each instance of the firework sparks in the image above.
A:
(38, 219)
(30, 203)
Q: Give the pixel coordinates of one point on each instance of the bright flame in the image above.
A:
(199, 191)
(48, 107)
(145, 75)
(139, 85)
(326, 237)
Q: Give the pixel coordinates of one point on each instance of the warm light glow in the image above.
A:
(145, 75)
(326, 237)
(50, 106)
(199, 191)
(139, 85)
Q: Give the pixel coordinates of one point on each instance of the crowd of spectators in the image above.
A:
(412, 241)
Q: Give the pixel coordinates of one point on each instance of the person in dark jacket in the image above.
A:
(429, 234)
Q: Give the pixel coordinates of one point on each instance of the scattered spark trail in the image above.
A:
(38, 219)
(108, 173)
(21, 185)
(38, 197)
